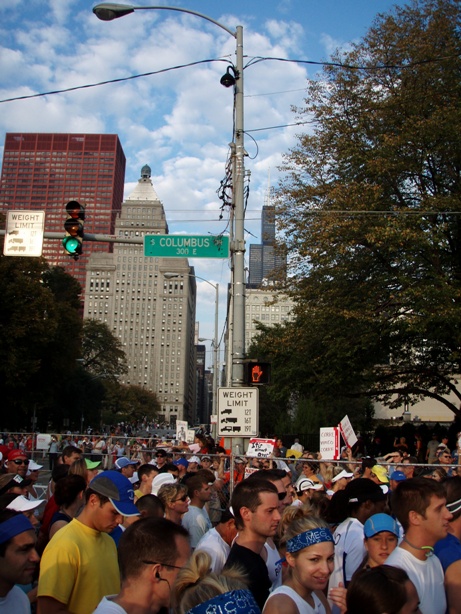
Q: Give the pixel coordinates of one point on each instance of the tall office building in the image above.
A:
(265, 265)
(44, 171)
(149, 304)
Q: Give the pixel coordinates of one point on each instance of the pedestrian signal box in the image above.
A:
(258, 373)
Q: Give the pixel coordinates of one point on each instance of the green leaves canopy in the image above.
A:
(370, 211)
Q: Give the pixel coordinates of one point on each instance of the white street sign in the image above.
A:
(329, 443)
(347, 432)
(238, 412)
(24, 233)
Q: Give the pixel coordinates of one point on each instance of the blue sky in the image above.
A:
(179, 121)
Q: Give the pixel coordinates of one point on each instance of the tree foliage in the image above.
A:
(370, 210)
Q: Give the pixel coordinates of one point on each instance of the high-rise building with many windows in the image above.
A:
(43, 171)
(149, 304)
(265, 264)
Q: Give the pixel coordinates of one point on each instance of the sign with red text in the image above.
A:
(261, 448)
(347, 432)
(329, 442)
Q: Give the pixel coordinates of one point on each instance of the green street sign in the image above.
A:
(186, 246)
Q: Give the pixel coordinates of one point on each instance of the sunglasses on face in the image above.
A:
(159, 456)
(183, 499)
(17, 461)
(281, 495)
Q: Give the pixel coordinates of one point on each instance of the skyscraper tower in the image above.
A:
(43, 172)
(149, 304)
(265, 264)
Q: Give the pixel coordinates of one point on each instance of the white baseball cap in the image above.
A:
(22, 504)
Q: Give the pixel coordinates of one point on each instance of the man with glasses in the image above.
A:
(160, 458)
(161, 549)
(17, 463)
(445, 461)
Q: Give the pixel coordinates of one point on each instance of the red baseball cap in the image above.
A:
(16, 454)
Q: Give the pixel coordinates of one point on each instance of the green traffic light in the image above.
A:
(72, 245)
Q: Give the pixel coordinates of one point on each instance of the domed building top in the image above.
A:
(144, 191)
(146, 172)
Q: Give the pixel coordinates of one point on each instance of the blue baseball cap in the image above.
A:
(398, 476)
(378, 523)
(123, 461)
(118, 489)
(181, 461)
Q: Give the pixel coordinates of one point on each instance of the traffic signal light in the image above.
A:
(258, 373)
(73, 241)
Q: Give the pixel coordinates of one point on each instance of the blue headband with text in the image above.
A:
(309, 538)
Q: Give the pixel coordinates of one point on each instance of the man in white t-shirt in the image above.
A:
(217, 542)
(420, 506)
(150, 554)
(18, 560)
(196, 519)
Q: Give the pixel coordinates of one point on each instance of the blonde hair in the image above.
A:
(301, 525)
(295, 512)
(195, 583)
(79, 467)
(169, 492)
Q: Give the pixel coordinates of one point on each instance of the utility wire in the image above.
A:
(254, 60)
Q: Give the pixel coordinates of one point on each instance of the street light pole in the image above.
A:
(110, 11)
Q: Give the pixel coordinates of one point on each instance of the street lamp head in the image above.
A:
(228, 80)
(109, 11)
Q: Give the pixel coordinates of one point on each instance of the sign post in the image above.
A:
(186, 246)
(238, 412)
(24, 233)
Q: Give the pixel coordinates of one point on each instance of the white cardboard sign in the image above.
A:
(348, 432)
(261, 448)
(329, 442)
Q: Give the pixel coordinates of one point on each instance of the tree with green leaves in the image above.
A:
(370, 209)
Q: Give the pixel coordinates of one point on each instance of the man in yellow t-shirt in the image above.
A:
(79, 565)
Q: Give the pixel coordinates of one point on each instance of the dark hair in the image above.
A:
(146, 469)
(102, 499)
(246, 494)
(152, 539)
(208, 474)
(226, 515)
(150, 506)
(414, 495)
(168, 468)
(272, 475)
(59, 472)
(69, 450)
(195, 482)
(67, 489)
(377, 590)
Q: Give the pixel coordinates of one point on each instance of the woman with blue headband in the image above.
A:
(310, 558)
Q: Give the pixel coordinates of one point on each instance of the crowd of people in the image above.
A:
(198, 530)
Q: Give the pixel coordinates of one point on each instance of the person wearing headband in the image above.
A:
(420, 507)
(448, 549)
(198, 590)
(309, 547)
(18, 560)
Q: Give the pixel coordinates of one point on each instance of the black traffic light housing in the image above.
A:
(258, 373)
(73, 241)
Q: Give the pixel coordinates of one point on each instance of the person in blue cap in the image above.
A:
(79, 565)
(18, 560)
(381, 533)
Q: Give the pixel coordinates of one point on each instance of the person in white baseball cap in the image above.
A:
(305, 488)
